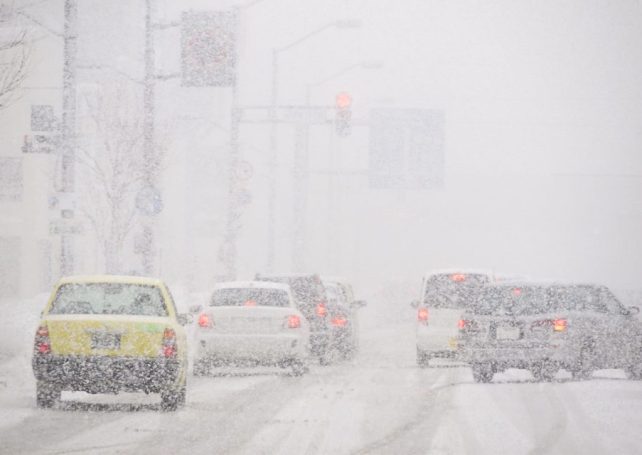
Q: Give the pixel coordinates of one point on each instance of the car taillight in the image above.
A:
(458, 277)
(339, 321)
(294, 322)
(422, 315)
(462, 323)
(321, 310)
(205, 321)
(169, 342)
(42, 343)
(559, 325)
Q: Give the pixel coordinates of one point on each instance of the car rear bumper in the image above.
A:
(515, 356)
(99, 374)
(437, 341)
(259, 349)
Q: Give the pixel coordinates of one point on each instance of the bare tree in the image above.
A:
(112, 172)
(14, 55)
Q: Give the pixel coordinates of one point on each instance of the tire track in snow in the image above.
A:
(416, 434)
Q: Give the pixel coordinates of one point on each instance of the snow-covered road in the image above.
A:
(379, 403)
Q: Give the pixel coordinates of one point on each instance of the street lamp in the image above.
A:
(345, 24)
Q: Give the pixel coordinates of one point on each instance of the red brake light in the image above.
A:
(321, 310)
(458, 277)
(517, 292)
(294, 322)
(42, 344)
(250, 303)
(339, 321)
(169, 342)
(422, 315)
(205, 321)
(559, 325)
(461, 324)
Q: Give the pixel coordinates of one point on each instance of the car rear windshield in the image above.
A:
(308, 291)
(250, 297)
(576, 298)
(109, 298)
(454, 290)
(511, 300)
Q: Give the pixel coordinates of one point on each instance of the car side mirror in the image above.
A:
(633, 310)
(184, 318)
(414, 304)
(195, 309)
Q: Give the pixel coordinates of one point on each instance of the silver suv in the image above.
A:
(544, 328)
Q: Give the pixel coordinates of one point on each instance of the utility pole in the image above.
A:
(300, 179)
(149, 158)
(233, 204)
(70, 45)
(272, 163)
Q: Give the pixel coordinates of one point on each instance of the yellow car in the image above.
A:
(105, 334)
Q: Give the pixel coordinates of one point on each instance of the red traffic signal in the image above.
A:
(342, 121)
(343, 100)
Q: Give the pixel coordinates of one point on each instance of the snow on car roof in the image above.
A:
(130, 279)
(487, 272)
(334, 279)
(251, 284)
(286, 275)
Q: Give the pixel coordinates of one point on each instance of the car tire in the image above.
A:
(173, 398)
(583, 368)
(423, 358)
(483, 372)
(201, 368)
(47, 394)
(298, 368)
(544, 371)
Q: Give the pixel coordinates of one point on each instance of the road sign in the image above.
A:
(406, 149)
(65, 226)
(244, 170)
(149, 201)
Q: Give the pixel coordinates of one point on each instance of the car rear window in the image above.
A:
(576, 298)
(109, 298)
(308, 291)
(250, 297)
(511, 300)
(454, 290)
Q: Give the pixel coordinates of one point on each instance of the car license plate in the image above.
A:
(105, 341)
(507, 333)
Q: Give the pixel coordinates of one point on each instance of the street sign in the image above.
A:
(208, 48)
(41, 143)
(244, 170)
(149, 201)
(406, 149)
(64, 226)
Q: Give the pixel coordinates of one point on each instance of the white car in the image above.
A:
(445, 295)
(250, 323)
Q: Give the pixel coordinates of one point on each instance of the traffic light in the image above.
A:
(342, 121)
